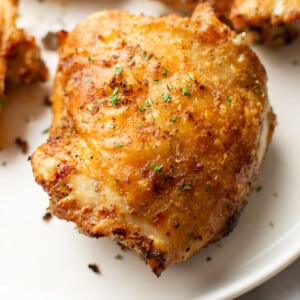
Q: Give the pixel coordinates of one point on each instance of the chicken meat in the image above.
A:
(272, 22)
(20, 60)
(160, 127)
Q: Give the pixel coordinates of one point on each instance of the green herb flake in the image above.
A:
(45, 131)
(228, 99)
(146, 57)
(89, 58)
(114, 100)
(173, 120)
(185, 186)
(96, 119)
(165, 72)
(112, 126)
(208, 189)
(119, 256)
(156, 80)
(142, 109)
(119, 145)
(166, 97)
(185, 91)
(156, 168)
(208, 258)
(118, 71)
(271, 224)
(87, 79)
(191, 235)
(148, 104)
(259, 189)
(191, 76)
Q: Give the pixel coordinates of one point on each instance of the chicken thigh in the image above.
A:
(160, 127)
(20, 60)
(272, 22)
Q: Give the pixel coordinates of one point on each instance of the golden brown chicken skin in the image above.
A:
(20, 60)
(159, 130)
(273, 21)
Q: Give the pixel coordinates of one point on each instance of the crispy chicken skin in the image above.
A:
(20, 60)
(272, 21)
(160, 127)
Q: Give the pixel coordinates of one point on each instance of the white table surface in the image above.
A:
(284, 286)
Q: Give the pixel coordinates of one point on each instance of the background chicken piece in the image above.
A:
(20, 60)
(160, 127)
(272, 22)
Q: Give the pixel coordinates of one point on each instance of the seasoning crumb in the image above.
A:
(51, 41)
(47, 216)
(295, 62)
(22, 144)
(208, 258)
(47, 100)
(275, 195)
(119, 256)
(123, 248)
(94, 268)
(4, 163)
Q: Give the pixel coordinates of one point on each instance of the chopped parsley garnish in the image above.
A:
(119, 256)
(191, 76)
(89, 58)
(119, 145)
(190, 235)
(166, 97)
(87, 79)
(271, 224)
(142, 109)
(208, 189)
(228, 99)
(112, 126)
(118, 71)
(156, 168)
(173, 120)
(45, 131)
(146, 57)
(185, 186)
(96, 119)
(148, 104)
(185, 91)
(165, 72)
(114, 100)
(259, 189)
(156, 80)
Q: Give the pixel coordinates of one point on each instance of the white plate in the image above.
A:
(49, 261)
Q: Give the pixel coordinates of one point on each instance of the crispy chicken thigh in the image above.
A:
(20, 60)
(160, 127)
(271, 21)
